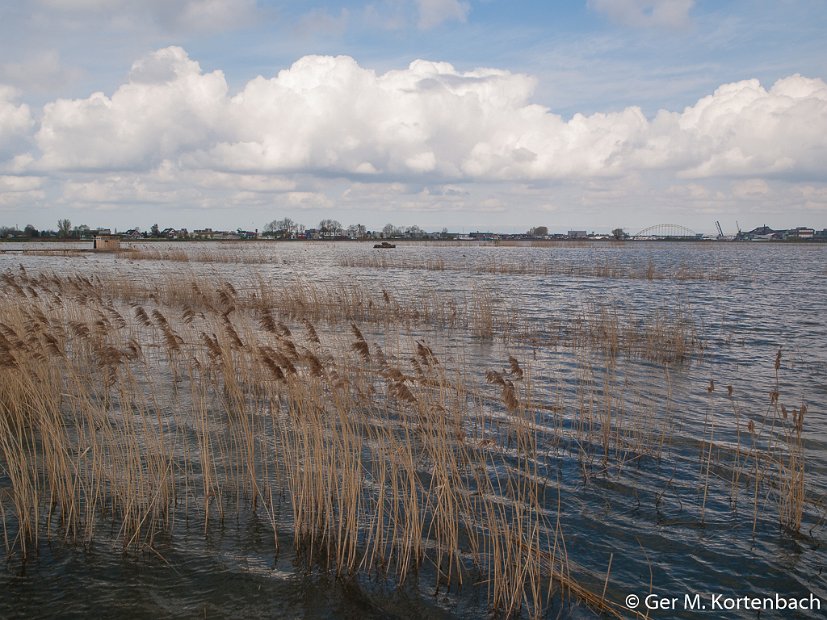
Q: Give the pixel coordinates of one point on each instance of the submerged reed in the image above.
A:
(154, 406)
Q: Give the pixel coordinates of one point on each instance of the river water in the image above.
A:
(669, 524)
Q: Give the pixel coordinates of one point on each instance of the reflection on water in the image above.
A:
(651, 459)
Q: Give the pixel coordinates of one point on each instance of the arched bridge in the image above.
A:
(666, 231)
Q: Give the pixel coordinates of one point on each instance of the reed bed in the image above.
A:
(153, 407)
(663, 334)
(546, 267)
(246, 253)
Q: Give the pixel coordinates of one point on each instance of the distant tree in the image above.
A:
(538, 231)
(271, 228)
(64, 227)
(389, 231)
(155, 231)
(619, 234)
(79, 232)
(31, 231)
(330, 227)
(282, 228)
(414, 232)
(357, 231)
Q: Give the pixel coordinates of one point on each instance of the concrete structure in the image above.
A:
(106, 243)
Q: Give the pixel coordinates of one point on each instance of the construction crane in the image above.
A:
(720, 232)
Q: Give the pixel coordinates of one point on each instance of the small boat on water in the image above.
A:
(384, 245)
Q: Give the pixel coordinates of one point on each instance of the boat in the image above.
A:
(384, 246)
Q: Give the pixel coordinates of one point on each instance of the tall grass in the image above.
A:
(159, 406)
(546, 265)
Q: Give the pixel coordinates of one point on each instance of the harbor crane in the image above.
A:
(720, 232)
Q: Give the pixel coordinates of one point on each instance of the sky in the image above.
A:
(470, 115)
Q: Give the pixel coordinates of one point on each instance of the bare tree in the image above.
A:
(414, 232)
(330, 227)
(283, 228)
(357, 231)
(64, 227)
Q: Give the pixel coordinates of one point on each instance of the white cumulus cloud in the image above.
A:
(743, 129)
(329, 116)
(168, 106)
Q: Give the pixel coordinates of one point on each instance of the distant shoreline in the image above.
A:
(487, 241)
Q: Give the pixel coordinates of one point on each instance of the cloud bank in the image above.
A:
(328, 115)
(427, 139)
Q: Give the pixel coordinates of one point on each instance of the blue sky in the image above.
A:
(583, 114)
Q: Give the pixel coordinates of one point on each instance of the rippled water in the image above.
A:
(746, 301)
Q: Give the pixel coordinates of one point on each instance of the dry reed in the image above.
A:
(385, 458)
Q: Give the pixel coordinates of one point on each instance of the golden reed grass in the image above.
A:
(248, 253)
(548, 265)
(143, 404)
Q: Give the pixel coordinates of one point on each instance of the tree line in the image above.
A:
(330, 228)
(284, 228)
(64, 230)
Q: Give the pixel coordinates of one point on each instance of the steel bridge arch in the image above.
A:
(666, 231)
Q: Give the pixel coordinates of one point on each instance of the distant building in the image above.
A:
(761, 233)
(172, 233)
(247, 234)
(106, 243)
(578, 234)
(801, 232)
(204, 233)
(224, 235)
(484, 236)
